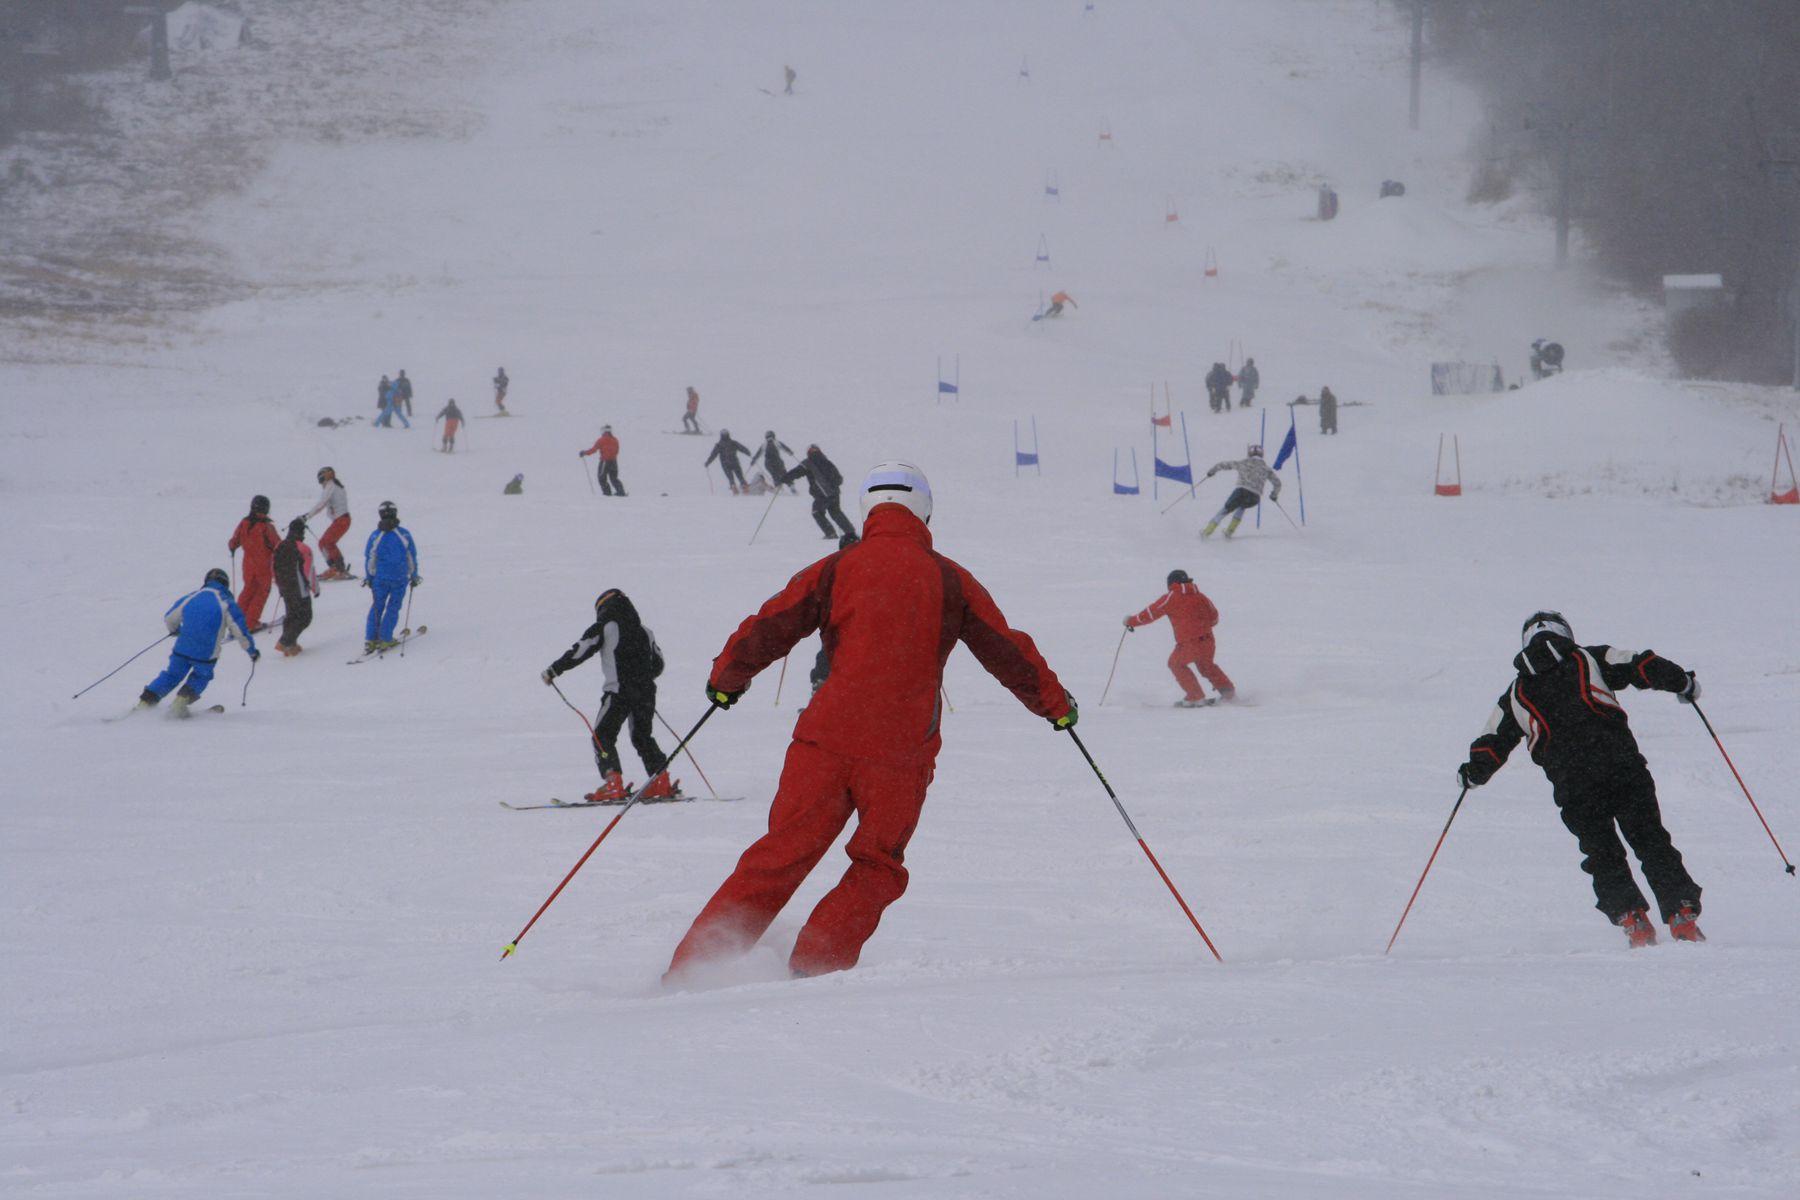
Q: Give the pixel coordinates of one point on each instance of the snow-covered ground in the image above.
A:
(257, 954)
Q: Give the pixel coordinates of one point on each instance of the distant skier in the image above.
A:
(390, 405)
(452, 417)
(298, 586)
(1192, 616)
(690, 420)
(1056, 304)
(770, 452)
(256, 536)
(789, 76)
(826, 484)
(1327, 411)
(889, 610)
(334, 501)
(384, 392)
(501, 383)
(726, 450)
(515, 486)
(1546, 359)
(607, 447)
(403, 393)
(390, 566)
(201, 621)
(631, 662)
(1252, 474)
(1218, 387)
(1249, 379)
(1563, 703)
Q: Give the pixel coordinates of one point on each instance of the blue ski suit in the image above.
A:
(201, 621)
(390, 563)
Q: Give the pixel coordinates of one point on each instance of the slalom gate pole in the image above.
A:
(781, 679)
(690, 754)
(244, 700)
(766, 511)
(1427, 870)
(406, 625)
(590, 479)
(1284, 512)
(1740, 783)
(147, 649)
(1115, 667)
(511, 947)
(1143, 845)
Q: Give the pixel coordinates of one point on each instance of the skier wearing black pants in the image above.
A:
(826, 483)
(771, 452)
(631, 660)
(726, 450)
(1563, 704)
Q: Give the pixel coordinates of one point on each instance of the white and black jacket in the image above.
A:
(628, 651)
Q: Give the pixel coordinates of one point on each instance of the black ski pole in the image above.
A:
(147, 649)
(1115, 667)
(1740, 783)
(1427, 870)
(1143, 845)
(406, 626)
(590, 480)
(244, 700)
(766, 511)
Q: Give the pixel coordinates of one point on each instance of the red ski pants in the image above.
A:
(329, 543)
(255, 593)
(1199, 653)
(818, 793)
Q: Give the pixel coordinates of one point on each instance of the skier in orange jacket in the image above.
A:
(607, 447)
(1193, 617)
(1056, 304)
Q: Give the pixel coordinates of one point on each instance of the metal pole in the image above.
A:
(1565, 167)
(1418, 52)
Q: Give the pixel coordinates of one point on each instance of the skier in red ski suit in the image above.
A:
(1193, 617)
(255, 535)
(889, 610)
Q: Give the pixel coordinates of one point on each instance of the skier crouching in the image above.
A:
(889, 610)
(631, 661)
(1563, 704)
(201, 621)
(1252, 473)
(1192, 616)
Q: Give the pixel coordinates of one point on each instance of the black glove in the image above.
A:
(366, 582)
(255, 654)
(1129, 627)
(1691, 692)
(416, 580)
(549, 675)
(721, 698)
(1068, 719)
(1473, 775)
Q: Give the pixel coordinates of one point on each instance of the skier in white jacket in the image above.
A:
(1252, 474)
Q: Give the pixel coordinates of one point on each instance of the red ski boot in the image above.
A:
(1638, 928)
(610, 791)
(1683, 927)
(661, 788)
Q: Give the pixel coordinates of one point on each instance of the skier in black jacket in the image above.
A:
(1218, 387)
(726, 450)
(826, 483)
(631, 660)
(1563, 705)
(770, 452)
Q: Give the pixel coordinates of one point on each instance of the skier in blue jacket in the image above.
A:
(390, 565)
(201, 621)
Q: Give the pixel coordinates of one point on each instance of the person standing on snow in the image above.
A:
(631, 661)
(1562, 703)
(889, 609)
(334, 501)
(726, 450)
(298, 586)
(403, 393)
(607, 447)
(690, 420)
(256, 536)
(1327, 411)
(200, 621)
(826, 483)
(390, 566)
(1252, 473)
(1192, 616)
(770, 452)
(788, 74)
(384, 392)
(1249, 379)
(1218, 387)
(452, 417)
(501, 383)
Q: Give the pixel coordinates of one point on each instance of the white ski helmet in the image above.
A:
(897, 483)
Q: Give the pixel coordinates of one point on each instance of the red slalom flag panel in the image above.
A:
(1443, 488)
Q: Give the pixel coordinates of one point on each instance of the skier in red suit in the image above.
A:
(1193, 617)
(889, 610)
(255, 535)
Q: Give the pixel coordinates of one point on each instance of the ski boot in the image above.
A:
(148, 699)
(383, 645)
(1638, 928)
(611, 790)
(184, 700)
(661, 788)
(1202, 702)
(1233, 527)
(1227, 695)
(1683, 927)
(1212, 527)
(369, 647)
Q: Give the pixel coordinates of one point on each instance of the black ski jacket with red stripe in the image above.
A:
(1563, 705)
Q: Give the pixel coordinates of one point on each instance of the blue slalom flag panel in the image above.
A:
(1022, 459)
(1288, 445)
(946, 388)
(1120, 489)
(1180, 474)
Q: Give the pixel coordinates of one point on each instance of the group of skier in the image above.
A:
(1220, 379)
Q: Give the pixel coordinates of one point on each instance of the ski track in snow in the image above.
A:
(260, 956)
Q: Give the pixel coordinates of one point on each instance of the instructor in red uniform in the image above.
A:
(1193, 617)
(889, 610)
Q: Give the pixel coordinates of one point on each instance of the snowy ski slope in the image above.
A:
(256, 954)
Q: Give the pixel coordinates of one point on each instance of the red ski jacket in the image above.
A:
(1188, 610)
(889, 610)
(258, 539)
(607, 448)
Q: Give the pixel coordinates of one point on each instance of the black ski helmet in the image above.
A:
(769, 435)
(602, 598)
(1178, 576)
(217, 575)
(259, 506)
(388, 511)
(1545, 621)
(297, 529)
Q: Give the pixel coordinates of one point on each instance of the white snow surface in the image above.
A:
(257, 954)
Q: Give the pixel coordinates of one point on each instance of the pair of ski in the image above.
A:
(134, 711)
(406, 635)
(677, 798)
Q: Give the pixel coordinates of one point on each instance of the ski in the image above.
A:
(679, 798)
(404, 638)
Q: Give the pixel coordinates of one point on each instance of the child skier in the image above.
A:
(826, 483)
(1252, 473)
(1563, 704)
(889, 610)
(607, 447)
(452, 417)
(256, 536)
(631, 661)
(1218, 387)
(200, 621)
(690, 420)
(726, 450)
(335, 502)
(770, 452)
(501, 382)
(1192, 616)
(297, 584)
(390, 565)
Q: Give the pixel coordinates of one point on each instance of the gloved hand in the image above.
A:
(367, 582)
(1068, 719)
(1691, 692)
(721, 698)
(549, 675)
(581, 454)
(416, 580)
(1129, 627)
(1471, 775)
(255, 654)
